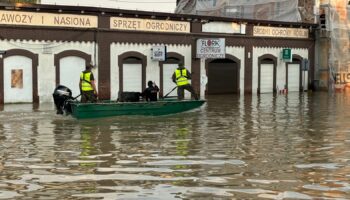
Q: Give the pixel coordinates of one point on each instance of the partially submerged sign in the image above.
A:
(211, 48)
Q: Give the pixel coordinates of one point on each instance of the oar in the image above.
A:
(97, 99)
(77, 97)
(170, 92)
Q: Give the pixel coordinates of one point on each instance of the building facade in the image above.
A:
(46, 46)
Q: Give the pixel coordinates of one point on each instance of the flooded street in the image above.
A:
(248, 147)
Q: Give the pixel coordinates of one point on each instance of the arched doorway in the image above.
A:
(267, 74)
(69, 64)
(294, 75)
(132, 72)
(223, 76)
(167, 69)
(19, 74)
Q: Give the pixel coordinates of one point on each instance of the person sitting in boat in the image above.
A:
(151, 92)
(87, 85)
(181, 77)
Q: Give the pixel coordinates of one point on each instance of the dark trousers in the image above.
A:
(88, 97)
(181, 91)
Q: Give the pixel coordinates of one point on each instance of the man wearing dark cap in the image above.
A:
(87, 85)
(181, 77)
(151, 92)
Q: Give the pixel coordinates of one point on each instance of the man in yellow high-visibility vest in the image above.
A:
(87, 85)
(181, 77)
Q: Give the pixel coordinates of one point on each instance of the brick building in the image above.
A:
(49, 45)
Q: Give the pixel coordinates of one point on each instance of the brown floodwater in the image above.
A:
(294, 146)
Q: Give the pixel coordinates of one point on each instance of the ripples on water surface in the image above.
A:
(283, 147)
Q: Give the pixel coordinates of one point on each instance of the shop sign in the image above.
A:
(266, 31)
(287, 55)
(135, 24)
(47, 19)
(158, 53)
(342, 77)
(210, 48)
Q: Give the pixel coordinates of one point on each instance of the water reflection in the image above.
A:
(250, 147)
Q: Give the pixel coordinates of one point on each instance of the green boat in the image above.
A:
(108, 109)
(131, 105)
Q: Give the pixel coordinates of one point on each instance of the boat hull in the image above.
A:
(108, 109)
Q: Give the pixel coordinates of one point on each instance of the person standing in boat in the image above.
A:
(87, 85)
(181, 77)
(151, 92)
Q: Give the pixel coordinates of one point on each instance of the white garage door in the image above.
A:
(132, 78)
(18, 80)
(70, 70)
(266, 78)
(293, 77)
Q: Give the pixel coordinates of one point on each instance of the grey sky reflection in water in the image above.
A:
(271, 147)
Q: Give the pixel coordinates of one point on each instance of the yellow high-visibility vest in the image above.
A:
(85, 81)
(181, 77)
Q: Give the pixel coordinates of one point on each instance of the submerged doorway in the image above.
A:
(223, 77)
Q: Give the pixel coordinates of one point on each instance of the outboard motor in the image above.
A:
(129, 96)
(61, 95)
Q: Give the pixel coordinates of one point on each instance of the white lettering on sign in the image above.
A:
(210, 43)
(47, 19)
(16, 18)
(267, 31)
(342, 78)
(211, 48)
(121, 23)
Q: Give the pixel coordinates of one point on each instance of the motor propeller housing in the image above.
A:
(61, 96)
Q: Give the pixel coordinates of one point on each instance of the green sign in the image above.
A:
(287, 54)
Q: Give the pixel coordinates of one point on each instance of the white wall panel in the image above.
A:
(281, 77)
(305, 77)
